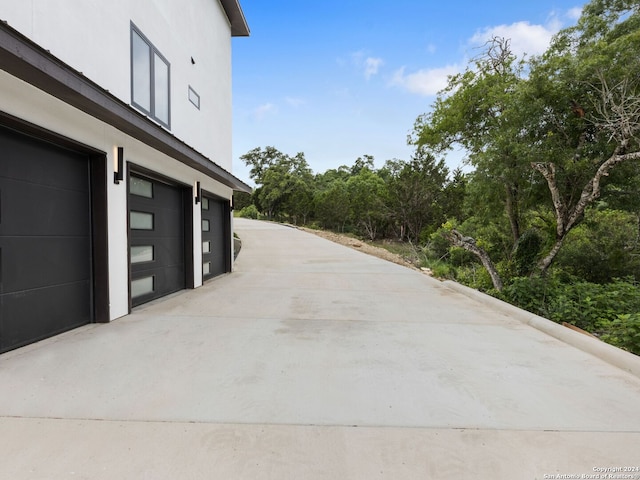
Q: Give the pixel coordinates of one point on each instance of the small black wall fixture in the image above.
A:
(198, 193)
(118, 174)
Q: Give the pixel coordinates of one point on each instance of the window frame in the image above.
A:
(194, 97)
(153, 53)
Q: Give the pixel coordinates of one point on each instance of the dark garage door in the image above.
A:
(156, 221)
(216, 243)
(45, 240)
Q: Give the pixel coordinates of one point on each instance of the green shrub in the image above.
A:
(624, 332)
(439, 268)
(249, 211)
(608, 310)
(474, 276)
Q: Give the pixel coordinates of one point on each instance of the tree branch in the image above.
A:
(548, 171)
(469, 244)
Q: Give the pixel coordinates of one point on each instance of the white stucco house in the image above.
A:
(115, 157)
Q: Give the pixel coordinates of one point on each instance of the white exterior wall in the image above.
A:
(93, 37)
(27, 102)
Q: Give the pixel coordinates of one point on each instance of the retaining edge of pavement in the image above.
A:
(613, 355)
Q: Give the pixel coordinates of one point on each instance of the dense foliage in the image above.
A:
(548, 217)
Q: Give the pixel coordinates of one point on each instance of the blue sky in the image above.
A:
(338, 79)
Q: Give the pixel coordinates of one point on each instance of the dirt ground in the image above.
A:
(362, 246)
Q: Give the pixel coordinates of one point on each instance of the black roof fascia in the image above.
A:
(23, 59)
(239, 26)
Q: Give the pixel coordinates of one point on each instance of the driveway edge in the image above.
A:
(610, 354)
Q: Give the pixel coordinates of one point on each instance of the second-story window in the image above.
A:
(150, 79)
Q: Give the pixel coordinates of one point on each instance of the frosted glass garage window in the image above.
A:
(140, 187)
(206, 268)
(141, 220)
(205, 203)
(142, 286)
(206, 247)
(141, 254)
(205, 225)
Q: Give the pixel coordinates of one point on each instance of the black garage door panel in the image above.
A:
(34, 263)
(167, 239)
(47, 164)
(45, 240)
(33, 315)
(42, 210)
(215, 216)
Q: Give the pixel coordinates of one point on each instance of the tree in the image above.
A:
(260, 160)
(333, 205)
(453, 195)
(367, 192)
(560, 129)
(414, 190)
(284, 182)
(590, 67)
(481, 110)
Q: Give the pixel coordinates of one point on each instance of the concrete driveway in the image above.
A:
(314, 361)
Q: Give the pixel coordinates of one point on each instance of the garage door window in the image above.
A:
(140, 187)
(142, 286)
(141, 254)
(141, 220)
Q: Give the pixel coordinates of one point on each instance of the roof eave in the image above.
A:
(24, 59)
(239, 26)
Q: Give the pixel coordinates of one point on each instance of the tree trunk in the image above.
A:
(469, 244)
(546, 262)
(512, 211)
(567, 218)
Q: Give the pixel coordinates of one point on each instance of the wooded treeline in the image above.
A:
(549, 216)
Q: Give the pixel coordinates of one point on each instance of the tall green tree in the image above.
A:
(480, 110)
(284, 182)
(414, 192)
(555, 126)
(367, 192)
(585, 92)
(333, 205)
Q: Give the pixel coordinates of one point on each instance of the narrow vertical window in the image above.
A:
(161, 88)
(141, 71)
(150, 79)
(194, 98)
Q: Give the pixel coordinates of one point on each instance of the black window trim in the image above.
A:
(153, 51)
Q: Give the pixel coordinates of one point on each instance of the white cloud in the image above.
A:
(525, 38)
(263, 110)
(371, 66)
(426, 82)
